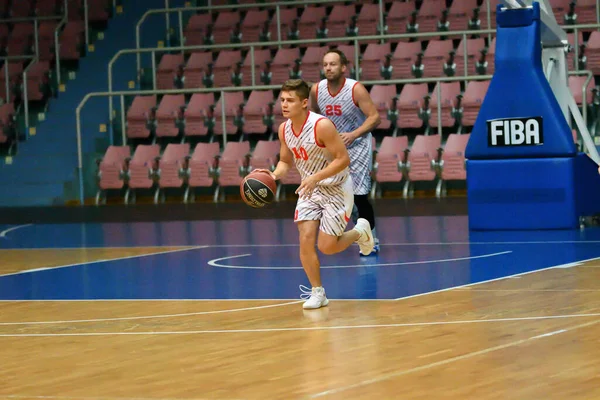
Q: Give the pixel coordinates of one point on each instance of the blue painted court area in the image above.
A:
(258, 259)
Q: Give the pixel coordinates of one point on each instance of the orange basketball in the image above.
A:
(258, 189)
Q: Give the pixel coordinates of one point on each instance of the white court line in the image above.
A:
(215, 262)
(148, 316)
(167, 300)
(425, 243)
(447, 361)
(571, 264)
(16, 396)
(14, 228)
(104, 260)
(238, 245)
(528, 290)
(303, 329)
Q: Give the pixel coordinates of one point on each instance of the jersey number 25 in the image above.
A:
(333, 110)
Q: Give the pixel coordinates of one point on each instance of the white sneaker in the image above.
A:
(365, 240)
(375, 249)
(315, 298)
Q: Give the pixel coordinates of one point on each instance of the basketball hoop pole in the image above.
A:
(523, 168)
(555, 47)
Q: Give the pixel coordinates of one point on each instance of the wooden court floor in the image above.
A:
(530, 336)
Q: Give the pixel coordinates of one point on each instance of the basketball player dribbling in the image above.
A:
(348, 105)
(325, 194)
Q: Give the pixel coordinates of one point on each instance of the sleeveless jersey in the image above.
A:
(342, 110)
(309, 156)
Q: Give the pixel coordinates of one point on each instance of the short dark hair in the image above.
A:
(343, 59)
(299, 86)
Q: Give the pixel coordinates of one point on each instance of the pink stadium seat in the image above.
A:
(112, 170)
(46, 40)
(312, 63)
(460, 13)
(397, 17)
(264, 155)
(223, 66)
(139, 115)
(586, 12)
(196, 113)
(449, 91)
(390, 160)
(72, 40)
(423, 153)
(21, 8)
(223, 24)
(310, 20)
(195, 68)
(202, 165)
(368, 20)
(38, 85)
(8, 123)
(452, 161)
(47, 8)
(372, 59)
(168, 114)
(474, 46)
(472, 99)
(430, 13)
(403, 58)
(166, 70)
(409, 103)
(576, 84)
(254, 110)
(382, 96)
(435, 55)
(232, 100)
(98, 10)
(252, 25)
(195, 29)
(260, 57)
(172, 164)
(338, 19)
(282, 62)
(233, 164)
(142, 167)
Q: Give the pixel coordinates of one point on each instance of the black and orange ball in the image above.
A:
(258, 189)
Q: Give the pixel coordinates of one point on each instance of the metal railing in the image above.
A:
(36, 26)
(253, 45)
(223, 121)
(122, 95)
(180, 10)
(277, 5)
(25, 94)
(63, 20)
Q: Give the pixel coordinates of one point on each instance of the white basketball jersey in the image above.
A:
(343, 111)
(341, 108)
(309, 156)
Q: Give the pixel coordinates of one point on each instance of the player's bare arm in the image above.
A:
(327, 136)
(312, 101)
(365, 103)
(285, 156)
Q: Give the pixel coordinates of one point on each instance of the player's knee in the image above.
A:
(307, 240)
(327, 247)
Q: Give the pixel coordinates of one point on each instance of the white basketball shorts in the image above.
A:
(332, 205)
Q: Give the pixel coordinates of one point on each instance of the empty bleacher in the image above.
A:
(408, 110)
